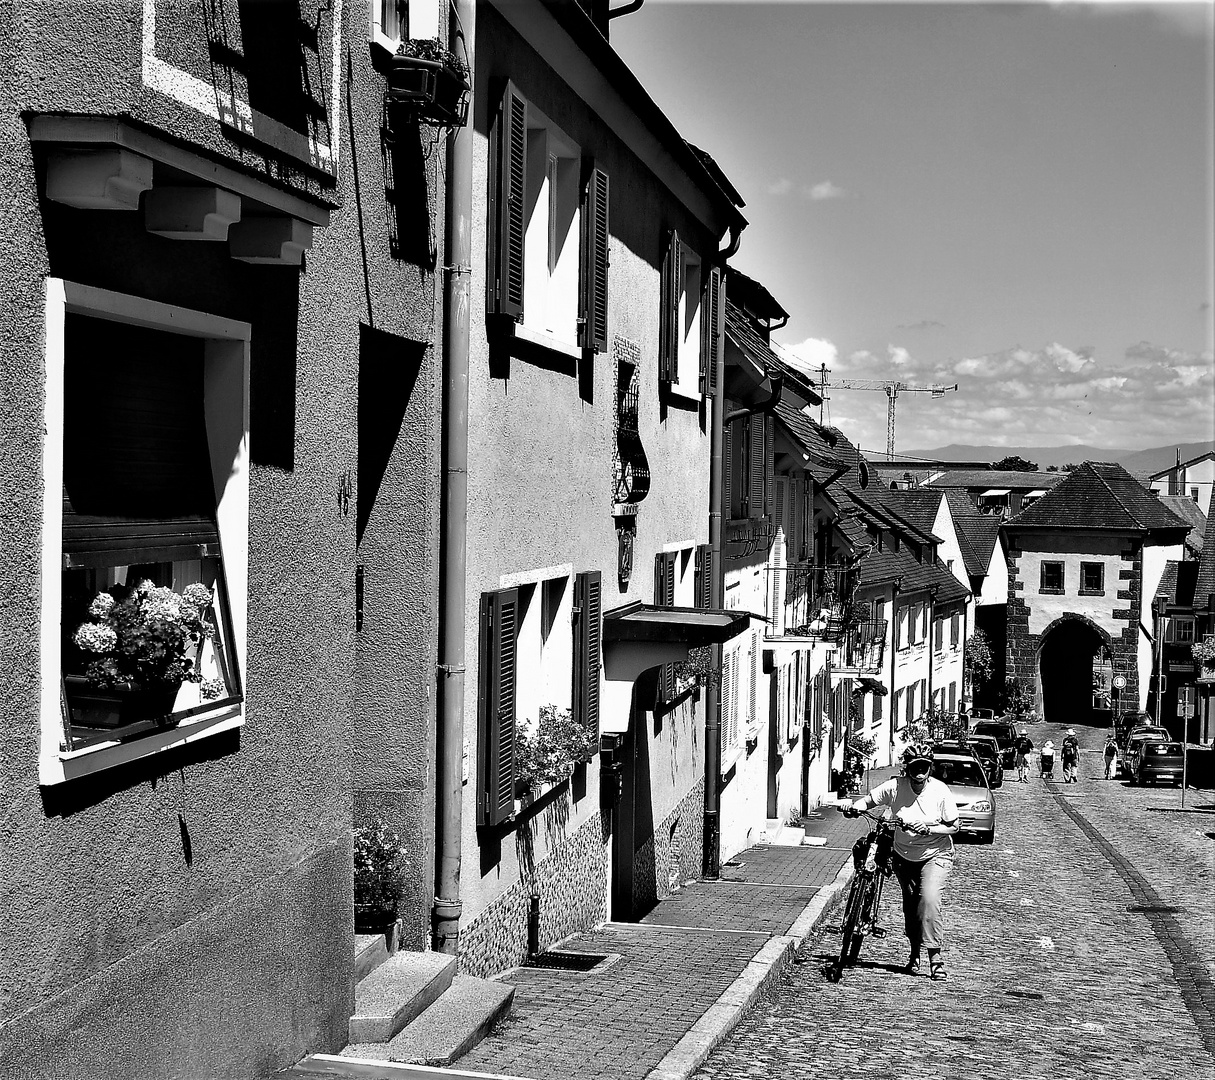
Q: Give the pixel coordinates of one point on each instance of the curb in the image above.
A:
(725, 1014)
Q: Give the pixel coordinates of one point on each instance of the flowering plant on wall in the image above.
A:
(547, 754)
(1204, 652)
(147, 636)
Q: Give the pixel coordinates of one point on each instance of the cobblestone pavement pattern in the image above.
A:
(1051, 974)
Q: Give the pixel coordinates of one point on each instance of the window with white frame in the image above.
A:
(1180, 630)
(544, 648)
(392, 21)
(690, 319)
(145, 528)
(687, 369)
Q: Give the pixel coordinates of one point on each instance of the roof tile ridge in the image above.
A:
(1115, 496)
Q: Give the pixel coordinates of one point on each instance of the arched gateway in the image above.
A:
(1074, 671)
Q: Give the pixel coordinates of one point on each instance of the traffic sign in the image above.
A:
(1119, 682)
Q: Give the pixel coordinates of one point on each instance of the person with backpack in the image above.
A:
(1071, 756)
(1022, 748)
(1111, 757)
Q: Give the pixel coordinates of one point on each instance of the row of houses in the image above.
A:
(428, 414)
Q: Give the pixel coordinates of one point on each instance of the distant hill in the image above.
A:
(1135, 461)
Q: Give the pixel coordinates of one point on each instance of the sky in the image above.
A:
(1016, 198)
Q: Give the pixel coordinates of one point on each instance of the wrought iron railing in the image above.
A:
(807, 601)
(862, 647)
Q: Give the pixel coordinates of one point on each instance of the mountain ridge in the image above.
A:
(1152, 460)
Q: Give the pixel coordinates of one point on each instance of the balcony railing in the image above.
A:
(862, 648)
(806, 601)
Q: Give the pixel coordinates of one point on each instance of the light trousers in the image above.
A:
(923, 888)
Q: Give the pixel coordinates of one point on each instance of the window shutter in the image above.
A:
(594, 263)
(496, 706)
(664, 596)
(588, 629)
(727, 455)
(755, 470)
(769, 456)
(729, 731)
(753, 662)
(953, 629)
(776, 612)
(508, 180)
(939, 633)
(877, 708)
(668, 323)
(704, 576)
(718, 316)
(710, 327)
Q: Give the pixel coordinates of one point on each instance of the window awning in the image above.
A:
(640, 636)
(872, 686)
(994, 491)
(1037, 493)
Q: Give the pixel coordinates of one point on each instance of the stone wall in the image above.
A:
(673, 854)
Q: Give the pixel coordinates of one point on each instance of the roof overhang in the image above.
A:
(871, 686)
(640, 636)
(1037, 493)
(992, 492)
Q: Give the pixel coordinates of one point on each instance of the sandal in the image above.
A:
(913, 965)
(938, 969)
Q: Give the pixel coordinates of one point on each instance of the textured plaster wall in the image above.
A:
(540, 475)
(202, 899)
(995, 585)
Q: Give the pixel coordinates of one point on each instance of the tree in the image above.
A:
(977, 666)
(1013, 463)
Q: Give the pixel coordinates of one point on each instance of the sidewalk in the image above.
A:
(675, 984)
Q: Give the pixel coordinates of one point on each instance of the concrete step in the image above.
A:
(396, 992)
(370, 951)
(786, 835)
(446, 1031)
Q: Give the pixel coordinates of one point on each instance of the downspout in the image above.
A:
(449, 764)
(627, 9)
(896, 588)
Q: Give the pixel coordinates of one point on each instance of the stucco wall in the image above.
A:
(203, 898)
(540, 476)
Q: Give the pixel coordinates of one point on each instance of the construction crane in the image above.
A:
(892, 389)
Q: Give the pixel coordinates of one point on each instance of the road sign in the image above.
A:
(1185, 702)
(1119, 682)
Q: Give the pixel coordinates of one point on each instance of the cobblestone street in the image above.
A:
(1081, 944)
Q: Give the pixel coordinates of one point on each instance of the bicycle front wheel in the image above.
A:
(850, 947)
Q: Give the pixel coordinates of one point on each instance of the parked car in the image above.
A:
(1134, 742)
(1005, 734)
(982, 714)
(1129, 721)
(964, 775)
(1157, 761)
(987, 749)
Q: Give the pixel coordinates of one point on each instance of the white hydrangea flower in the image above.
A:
(102, 605)
(94, 637)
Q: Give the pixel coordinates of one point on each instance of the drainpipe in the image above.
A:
(894, 635)
(449, 765)
(628, 9)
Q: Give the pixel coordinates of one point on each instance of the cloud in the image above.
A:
(825, 190)
(923, 324)
(899, 356)
(780, 187)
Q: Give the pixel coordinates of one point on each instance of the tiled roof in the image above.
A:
(1187, 509)
(990, 478)
(1101, 495)
(750, 294)
(978, 533)
(1205, 585)
(742, 332)
(876, 504)
(1178, 581)
(885, 567)
(817, 441)
(917, 505)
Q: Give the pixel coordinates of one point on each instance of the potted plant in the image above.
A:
(428, 82)
(381, 866)
(548, 754)
(1204, 657)
(142, 643)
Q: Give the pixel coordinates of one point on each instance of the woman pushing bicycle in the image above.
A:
(927, 818)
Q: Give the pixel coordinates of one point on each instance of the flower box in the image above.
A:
(426, 91)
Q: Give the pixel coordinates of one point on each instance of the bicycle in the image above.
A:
(872, 858)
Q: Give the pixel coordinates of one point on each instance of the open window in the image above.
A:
(548, 232)
(392, 21)
(145, 519)
(690, 320)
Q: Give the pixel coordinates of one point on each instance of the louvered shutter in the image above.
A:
(508, 184)
(710, 328)
(776, 612)
(727, 456)
(756, 470)
(593, 263)
(668, 323)
(718, 314)
(496, 706)
(953, 630)
(588, 631)
(939, 633)
(753, 663)
(664, 596)
(704, 576)
(769, 465)
(728, 692)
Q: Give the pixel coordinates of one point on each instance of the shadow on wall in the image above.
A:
(388, 371)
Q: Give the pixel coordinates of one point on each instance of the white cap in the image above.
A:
(1071, 731)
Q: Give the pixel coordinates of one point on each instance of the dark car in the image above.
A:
(1127, 722)
(1005, 735)
(987, 750)
(1135, 742)
(1158, 761)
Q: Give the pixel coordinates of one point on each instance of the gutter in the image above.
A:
(449, 736)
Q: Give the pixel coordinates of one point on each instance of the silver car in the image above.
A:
(965, 778)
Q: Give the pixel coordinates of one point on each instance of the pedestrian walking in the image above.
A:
(1111, 757)
(1071, 756)
(1022, 748)
(927, 817)
(1046, 760)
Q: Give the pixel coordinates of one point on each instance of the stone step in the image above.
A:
(396, 992)
(446, 1031)
(370, 951)
(332, 1067)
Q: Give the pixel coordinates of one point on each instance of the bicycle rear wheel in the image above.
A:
(850, 947)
